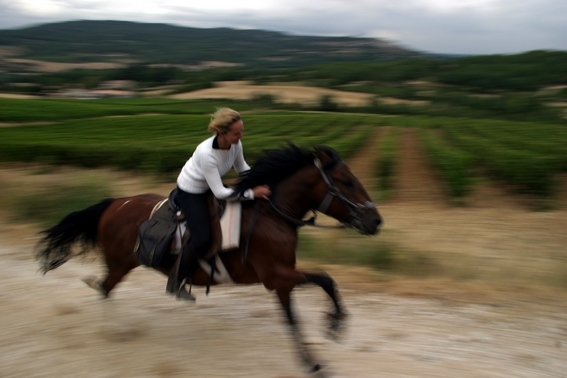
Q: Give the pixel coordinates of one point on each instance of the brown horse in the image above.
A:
(302, 180)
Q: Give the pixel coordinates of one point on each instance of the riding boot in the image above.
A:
(180, 275)
(172, 278)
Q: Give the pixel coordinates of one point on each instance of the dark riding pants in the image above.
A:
(196, 211)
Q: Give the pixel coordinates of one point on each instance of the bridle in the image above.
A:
(356, 210)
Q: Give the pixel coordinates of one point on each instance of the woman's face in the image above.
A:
(235, 132)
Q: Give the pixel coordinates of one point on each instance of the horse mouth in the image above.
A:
(376, 231)
(367, 228)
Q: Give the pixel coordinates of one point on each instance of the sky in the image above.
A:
(436, 26)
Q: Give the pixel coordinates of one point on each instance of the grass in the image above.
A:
(389, 255)
(49, 204)
(337, 249)
(384, 254)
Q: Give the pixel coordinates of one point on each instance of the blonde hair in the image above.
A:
(222, 119)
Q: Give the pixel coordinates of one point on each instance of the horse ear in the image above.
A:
(327, 155)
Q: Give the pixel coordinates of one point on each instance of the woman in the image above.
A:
(202, 173)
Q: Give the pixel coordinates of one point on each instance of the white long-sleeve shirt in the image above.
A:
(204, 170)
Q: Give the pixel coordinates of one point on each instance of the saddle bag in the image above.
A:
(155, 237)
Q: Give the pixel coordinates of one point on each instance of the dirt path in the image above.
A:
(55, 326)
(415, 181)
(363, 162)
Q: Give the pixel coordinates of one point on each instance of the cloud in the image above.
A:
(444, 26)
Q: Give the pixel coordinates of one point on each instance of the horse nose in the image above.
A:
(377, 224)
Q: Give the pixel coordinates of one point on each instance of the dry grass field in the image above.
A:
(287, 93)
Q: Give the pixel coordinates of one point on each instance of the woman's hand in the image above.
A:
(262, 191)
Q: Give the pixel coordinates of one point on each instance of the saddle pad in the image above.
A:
(230, 225)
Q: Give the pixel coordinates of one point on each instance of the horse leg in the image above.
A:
(337, 317)
(285, 300)
(115, 274)
(285, 280)
(94, 283)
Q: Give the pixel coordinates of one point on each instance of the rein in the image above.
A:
(295, 222)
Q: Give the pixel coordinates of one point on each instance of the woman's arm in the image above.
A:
(240, 164)
(214, 180)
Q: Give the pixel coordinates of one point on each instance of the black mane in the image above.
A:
(275, 165)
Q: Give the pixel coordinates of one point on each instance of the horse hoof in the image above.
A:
(93, 283)
(334, 334)
(183, 294)
(316, 368)
(317, 371)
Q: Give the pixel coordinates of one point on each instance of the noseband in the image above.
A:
(356, 210)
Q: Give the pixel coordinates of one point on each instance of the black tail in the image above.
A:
(54, 249)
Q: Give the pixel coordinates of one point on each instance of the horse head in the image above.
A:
(318, 179)
(342, 196)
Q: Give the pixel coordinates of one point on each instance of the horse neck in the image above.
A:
(295, 195)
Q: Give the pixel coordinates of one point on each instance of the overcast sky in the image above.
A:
(440, 26)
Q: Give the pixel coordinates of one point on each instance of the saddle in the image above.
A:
(166, 233)
(156, 236)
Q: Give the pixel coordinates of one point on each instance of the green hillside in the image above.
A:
(80, 41)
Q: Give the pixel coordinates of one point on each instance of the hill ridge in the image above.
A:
(152, 43)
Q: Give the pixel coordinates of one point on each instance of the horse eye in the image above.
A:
(347, 182)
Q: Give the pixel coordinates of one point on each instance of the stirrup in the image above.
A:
(182, 293)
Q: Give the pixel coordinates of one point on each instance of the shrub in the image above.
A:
(452, 163)
(387, 155)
